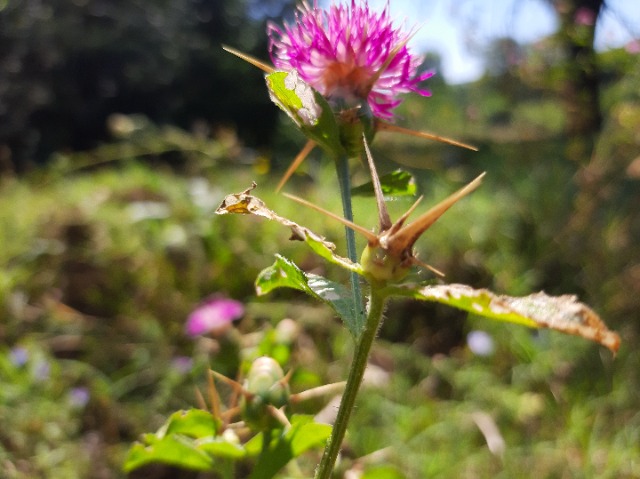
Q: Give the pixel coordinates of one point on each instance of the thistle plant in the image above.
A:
(339, 74)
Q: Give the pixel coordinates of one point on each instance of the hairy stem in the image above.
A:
(356, 373)
(342, 167)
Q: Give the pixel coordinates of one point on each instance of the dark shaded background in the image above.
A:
(67, 65)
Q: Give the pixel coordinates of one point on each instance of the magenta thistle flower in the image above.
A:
(215, 314)
(349, 54)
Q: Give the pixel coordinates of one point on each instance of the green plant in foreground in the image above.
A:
(338, 96)
(385, 263)
(205, 440)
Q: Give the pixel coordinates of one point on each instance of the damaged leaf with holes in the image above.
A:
(306, 107)
(538, 310)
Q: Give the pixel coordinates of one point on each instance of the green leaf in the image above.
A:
(194, 423)
(306, 107)
(562, 313)
(285, 445)
(383, 472)
(175, 450)
(285, 274)
(397, 183)
(219, 446)
(308, 435)
(184, 441)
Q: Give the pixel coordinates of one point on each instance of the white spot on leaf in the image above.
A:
(310, 110)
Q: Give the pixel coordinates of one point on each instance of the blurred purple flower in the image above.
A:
(79, 397)
(182, 364)
(212, 315)
(18, 356)
(41, 370)
(349, 54)
(480, 343)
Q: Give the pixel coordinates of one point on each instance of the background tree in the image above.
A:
(580, 81)
(68, 65)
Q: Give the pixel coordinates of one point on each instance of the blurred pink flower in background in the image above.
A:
(585, 16)
(633, 46)
(349, 54)
(213, 315)
(182, 364)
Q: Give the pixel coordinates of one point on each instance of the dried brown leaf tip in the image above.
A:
(539, 310)
(246, 204)
(565, 313)
(389, 254)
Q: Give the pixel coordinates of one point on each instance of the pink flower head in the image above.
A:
(349, 53)
(215, 314)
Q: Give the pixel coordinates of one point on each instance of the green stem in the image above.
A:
(342, 168)
(356, 373)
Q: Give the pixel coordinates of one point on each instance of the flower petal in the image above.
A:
(349, 52)
(213, 315)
